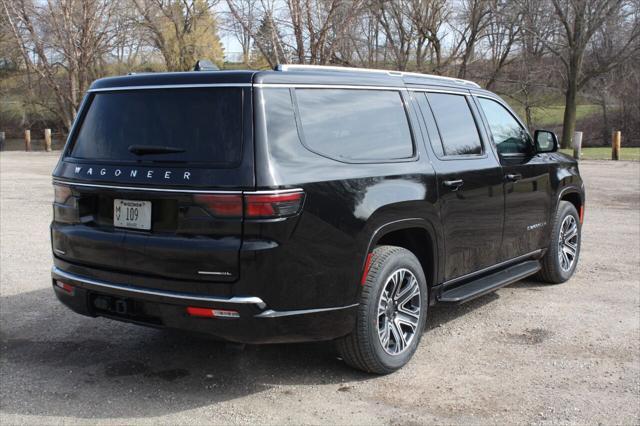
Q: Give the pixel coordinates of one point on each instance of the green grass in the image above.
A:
(553, 115)
(604, 153)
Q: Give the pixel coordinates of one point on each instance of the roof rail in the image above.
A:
(299, 67)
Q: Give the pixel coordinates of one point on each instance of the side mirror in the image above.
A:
(546, 141)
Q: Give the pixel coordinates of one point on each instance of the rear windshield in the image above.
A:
(191, 125)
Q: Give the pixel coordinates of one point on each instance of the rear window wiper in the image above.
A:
(154, 149)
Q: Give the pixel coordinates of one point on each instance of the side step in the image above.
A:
(489, 283)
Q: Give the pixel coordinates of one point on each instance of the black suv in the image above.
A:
(305, 203)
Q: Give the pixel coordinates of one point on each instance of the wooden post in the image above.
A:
(615, 145)
(577, 145)
(27, 140)
(1, 140)
(47, 140)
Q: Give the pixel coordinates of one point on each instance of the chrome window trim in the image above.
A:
(243, 300)
(453, 92)
(168, 86)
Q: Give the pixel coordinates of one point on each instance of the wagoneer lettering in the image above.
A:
(305, 203)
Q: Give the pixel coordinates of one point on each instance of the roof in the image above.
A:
(283, 74)
(175, 78)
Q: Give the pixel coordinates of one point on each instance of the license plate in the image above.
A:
(132, 214)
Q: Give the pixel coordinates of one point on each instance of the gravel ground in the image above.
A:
(530, 353)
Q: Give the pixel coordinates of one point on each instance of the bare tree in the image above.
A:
(400, 29)
(475, 17)
(182, 30)
(503, 33)
(242, 22)
(60, 41)
(429, 16)
(580, 20)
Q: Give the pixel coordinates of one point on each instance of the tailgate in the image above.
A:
(185, 240)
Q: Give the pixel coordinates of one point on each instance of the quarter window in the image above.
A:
(351, 124)
(456, 125)
(508, 134)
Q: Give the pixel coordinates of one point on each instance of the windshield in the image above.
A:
(163, 125)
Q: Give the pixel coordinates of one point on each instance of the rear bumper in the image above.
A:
(161, 308)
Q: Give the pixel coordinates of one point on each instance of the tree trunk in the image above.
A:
(569, 121)
(606, 133)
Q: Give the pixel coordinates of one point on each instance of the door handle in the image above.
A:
(453, 184)
(513, 177)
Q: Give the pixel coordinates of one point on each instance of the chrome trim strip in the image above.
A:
(189, 191)
(144, 188)
(250, 300)
(274, 191)
(454, 92)
(492, 267)
(276, 314)
(168, 86)
(225, 274)
(328, 86)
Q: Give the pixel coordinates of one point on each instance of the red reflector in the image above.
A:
(272, 205)
(221, 205)
(64, 286)
(581, 214)
(367, 265)
(211, 313)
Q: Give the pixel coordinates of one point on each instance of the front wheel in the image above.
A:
(561, 259)
(391, 314)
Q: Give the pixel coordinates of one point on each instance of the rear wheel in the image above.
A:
(391, 314)
(561, 259)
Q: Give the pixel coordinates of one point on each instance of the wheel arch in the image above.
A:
(414, 234)
(573, 195)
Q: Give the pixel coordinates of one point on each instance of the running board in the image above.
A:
(489, 283)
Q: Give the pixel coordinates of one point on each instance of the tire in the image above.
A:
(554, 267)
(364, 348)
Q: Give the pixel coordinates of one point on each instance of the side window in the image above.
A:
(456, 125)
(350, 124)
(508, 135)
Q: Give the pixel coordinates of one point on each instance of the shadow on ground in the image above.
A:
(57, 363)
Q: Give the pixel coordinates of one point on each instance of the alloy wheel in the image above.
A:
(568, 243)
(399, 311)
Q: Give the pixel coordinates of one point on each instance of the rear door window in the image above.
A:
(456, 125)
(196, 125)
(354, 124)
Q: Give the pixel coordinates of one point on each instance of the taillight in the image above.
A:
(221, 205)
(253, 205)
(65, 205)
(272, 205)
(61, 194)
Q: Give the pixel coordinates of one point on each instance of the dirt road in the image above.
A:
(529, 353)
